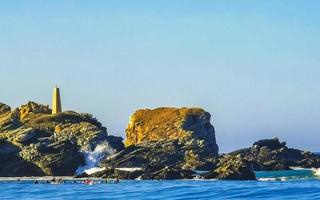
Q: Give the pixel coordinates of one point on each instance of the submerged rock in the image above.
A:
(34, 142)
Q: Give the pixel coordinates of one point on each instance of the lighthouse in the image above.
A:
(56, 102)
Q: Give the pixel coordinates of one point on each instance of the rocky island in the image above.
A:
(35, 143)
(162, 143)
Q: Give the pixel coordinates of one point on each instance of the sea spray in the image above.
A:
(316, 171)
(93, 158)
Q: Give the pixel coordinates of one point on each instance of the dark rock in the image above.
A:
(166, 173)
(115, 142)
(115, 173)
(148, 173)
(163, 153)
(83, 175)
(271, 154)
(4, 108)
(14, 165)
(270, 144)
(232, 168)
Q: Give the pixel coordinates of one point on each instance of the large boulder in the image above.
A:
(34, 142)
(189, 125)
(168, 137)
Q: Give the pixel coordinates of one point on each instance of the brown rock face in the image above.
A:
(32, 108)
(188, 125)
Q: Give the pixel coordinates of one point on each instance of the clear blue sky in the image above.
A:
(254, 65)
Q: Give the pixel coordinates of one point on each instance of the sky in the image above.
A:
(254, 65)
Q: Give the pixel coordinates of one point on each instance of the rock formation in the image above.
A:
(148, 173)
(175, 137)
(34, 143)
(271, 154)
(164, 143)
(188, 125)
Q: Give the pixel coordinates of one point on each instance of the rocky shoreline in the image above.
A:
(163, 143)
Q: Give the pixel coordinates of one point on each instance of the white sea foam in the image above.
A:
(129, 169)
(316, 171)
(298, 168)
(94, 170)
(93, 158)
(273, 179)
(267, 179)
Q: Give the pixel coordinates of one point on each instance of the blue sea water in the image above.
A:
(301, 184)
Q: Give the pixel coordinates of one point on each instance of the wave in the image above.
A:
(93, 158)
(296, 173)
(129, 169)
(273, 179)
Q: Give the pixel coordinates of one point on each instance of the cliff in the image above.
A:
(186, 125)
(164, 137)
(34, 143)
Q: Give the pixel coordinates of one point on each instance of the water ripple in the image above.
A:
(301, 189)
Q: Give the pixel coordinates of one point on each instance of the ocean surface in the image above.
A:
(297, 184)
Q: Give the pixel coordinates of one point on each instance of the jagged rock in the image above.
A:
(4, 108)
(48, 144)
(31, 108)
(232, 168)
(270, 144)
(20, 135)
(83, 133)
(163, 153)
(8, 119)
(271, 154)
(54, 158)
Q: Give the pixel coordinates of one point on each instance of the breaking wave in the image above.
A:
(296, 173)
(93, 158)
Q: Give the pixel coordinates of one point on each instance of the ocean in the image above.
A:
(297, 184)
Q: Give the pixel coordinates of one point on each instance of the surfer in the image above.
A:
(117, 180)
(36, 182)
(56, 181)
(18, 181)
